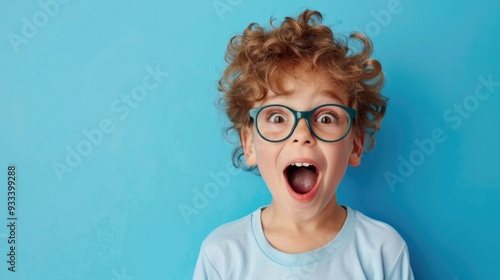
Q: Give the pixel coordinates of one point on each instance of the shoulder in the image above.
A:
(230, 236)
(374, 230)
(381, 243)
(228, 247)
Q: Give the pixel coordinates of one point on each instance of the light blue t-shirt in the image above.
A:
(363, 249)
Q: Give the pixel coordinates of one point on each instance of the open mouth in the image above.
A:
(301, 176)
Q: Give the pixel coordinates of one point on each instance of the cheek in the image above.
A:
(267, 158)
(346, 146)
(264, 153)
(338, 158)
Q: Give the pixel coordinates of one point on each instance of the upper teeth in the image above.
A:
(299, 164)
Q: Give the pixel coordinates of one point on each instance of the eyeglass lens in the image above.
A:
(328, 123)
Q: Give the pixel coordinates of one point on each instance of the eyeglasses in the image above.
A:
(328, 122)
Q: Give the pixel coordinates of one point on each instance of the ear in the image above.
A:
(248, 146)
(357, 149)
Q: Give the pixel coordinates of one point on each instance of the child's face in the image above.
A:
(330, 160)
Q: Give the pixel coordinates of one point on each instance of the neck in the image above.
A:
(294, 235)
(330, 219)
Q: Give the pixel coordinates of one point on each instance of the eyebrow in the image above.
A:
(335, 94)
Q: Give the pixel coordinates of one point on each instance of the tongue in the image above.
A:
(302, 180)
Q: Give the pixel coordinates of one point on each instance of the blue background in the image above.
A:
(115, 213)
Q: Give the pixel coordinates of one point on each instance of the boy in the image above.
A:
(302, 102)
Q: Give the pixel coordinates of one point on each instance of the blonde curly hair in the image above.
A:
(258, 58)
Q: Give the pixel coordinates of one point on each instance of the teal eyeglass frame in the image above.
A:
(254, 112)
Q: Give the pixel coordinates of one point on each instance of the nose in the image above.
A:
(302, 134)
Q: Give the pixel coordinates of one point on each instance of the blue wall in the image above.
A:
(107, 113)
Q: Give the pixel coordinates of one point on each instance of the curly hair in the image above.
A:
(258, 58)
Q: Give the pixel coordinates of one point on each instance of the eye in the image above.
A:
(327, 118)
(276, 118)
